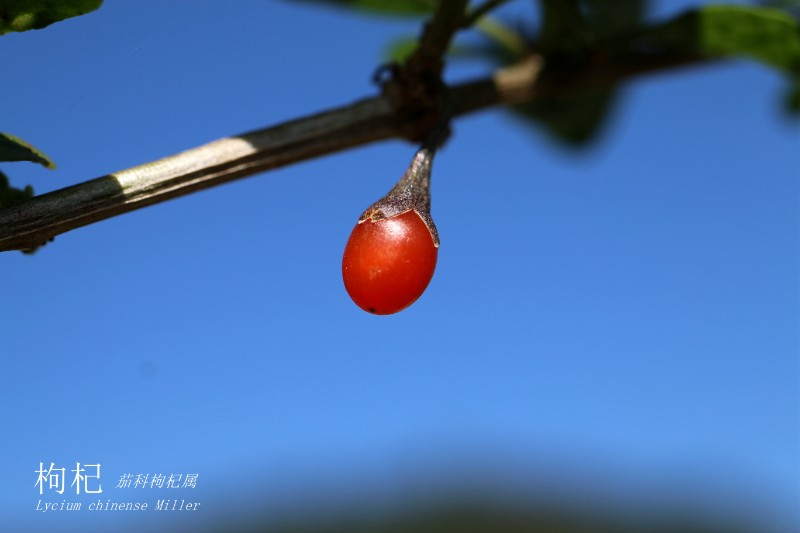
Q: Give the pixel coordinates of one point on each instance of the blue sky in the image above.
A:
(624, 318)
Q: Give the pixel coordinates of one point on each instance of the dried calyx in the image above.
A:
(411, 193)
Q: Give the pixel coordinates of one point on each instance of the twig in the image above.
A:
(31, 223)
(427, 60)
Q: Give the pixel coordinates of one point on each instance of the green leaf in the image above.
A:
(768, 35)
(24, 15)
(15, 149)
(573, 120)
(572, 30)
(384, 7)
(563, 27)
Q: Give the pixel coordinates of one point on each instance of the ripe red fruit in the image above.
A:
(389, 262)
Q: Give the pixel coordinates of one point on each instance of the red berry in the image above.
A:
(388, 263)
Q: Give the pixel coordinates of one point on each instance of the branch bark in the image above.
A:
(427, 60)
(34, 222)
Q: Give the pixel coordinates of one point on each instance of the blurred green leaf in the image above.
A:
(15, 149)
(769, 35)
(574, 120)
(489, 514)
(386, 7)
(563, 27)
(571, 31)
(790, 6)
(24, 15)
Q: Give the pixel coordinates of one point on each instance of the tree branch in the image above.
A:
(427, 59)
(31, 223)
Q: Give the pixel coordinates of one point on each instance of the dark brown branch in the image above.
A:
(33, 222)
(427, 59)
(415, 88)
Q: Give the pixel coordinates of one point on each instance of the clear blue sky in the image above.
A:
(626, 319)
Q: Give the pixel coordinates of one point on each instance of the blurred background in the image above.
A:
(610, 339)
